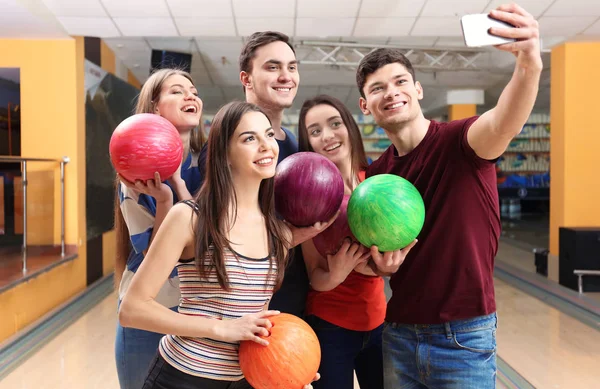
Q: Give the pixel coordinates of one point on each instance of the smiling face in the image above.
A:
(327, 133)
(252, 149)
(391, 96)
(273, 79)
(178, 102)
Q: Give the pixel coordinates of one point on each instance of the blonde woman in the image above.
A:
(141, 207)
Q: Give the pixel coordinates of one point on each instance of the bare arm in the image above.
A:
(140, 310)
(162, 209)
(490, 135)
(326, 274)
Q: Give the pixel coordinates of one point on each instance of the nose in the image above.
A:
(190, 96)
(264, 144)
(327, 134)
(391, 92)
(284, 76)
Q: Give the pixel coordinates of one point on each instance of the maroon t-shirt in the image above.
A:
(448, 275)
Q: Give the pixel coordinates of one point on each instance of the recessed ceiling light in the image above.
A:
(120, 45)
(137, 65)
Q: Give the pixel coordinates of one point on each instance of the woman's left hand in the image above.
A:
(176, 179)
(302, 234)
(178, 185)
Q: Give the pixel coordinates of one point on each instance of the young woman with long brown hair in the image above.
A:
(346, 302)
(141, 207)
(230, 251)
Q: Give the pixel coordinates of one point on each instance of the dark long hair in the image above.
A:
(217, 195)
(357, 150)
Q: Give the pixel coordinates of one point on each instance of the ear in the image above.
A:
(155, 108)
(419, 90)
(246, 80)
(362, 103)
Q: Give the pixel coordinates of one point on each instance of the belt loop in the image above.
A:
(448, 330)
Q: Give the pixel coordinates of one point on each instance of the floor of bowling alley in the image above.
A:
(540, 343)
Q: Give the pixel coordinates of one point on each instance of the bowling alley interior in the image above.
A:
(72, 70)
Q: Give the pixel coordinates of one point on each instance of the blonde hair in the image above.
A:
(150, 94)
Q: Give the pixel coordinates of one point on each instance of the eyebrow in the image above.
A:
(369, 86)
(277, 62)
(181, 86)
(253, 132)
(331, 118)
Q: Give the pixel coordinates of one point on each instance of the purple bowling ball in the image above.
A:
(308, 189)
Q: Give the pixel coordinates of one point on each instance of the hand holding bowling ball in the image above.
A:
(389, 262)
(143, 145)
(290, 360)
(308, 192)
(386, 211)
(155, 188)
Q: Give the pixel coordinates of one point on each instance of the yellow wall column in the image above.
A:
(132, 79)
(574, 161)
(461, 111)
(462, 103)
(52, 126)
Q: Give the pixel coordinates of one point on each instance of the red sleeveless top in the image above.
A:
(357, 304)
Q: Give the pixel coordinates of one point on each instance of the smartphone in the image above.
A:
(476, 30)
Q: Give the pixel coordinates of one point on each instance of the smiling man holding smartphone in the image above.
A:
(441, 321)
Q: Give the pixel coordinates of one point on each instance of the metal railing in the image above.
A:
(23, 162)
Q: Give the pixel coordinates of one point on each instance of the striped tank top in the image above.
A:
(251, 287)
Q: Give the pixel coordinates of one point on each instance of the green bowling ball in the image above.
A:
(386, 211)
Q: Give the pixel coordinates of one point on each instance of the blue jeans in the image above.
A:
(455, 355)
(345, 351)
(134, 352)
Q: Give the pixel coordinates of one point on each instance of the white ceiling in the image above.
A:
(213, 31)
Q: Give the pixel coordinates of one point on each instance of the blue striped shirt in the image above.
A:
(139, 211)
